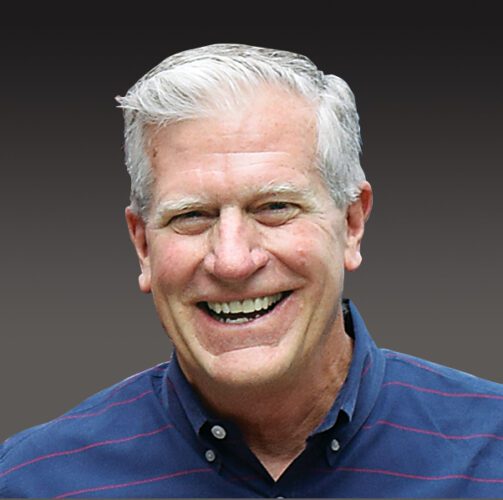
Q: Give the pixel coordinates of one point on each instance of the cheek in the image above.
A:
(172, 262)
(307, 248)
(303, 253)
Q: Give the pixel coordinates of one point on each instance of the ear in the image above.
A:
(137, 233)
(356, 215)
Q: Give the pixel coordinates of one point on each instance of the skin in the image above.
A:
(240, 211)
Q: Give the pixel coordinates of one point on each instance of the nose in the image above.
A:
(235, 253)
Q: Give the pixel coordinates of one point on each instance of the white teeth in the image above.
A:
(248, 306)
(218, 308)
(244, 306)
(237, 320)
(236, 306)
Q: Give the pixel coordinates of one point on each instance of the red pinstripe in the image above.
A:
(108, 407)
(415, 476)
(134, 483)
(84, 448)
(412, 362)
(432, 433)
(442, 393)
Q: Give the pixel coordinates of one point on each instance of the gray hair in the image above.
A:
(197, 82)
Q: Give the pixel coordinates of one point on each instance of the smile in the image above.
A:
(242, 311)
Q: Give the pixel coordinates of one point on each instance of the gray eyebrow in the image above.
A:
(273, 188)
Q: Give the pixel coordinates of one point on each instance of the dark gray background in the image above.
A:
(429, 91)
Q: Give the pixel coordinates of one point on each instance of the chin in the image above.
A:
(250, 366)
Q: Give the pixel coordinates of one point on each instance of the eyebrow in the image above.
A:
(178, 205)
(270, 189)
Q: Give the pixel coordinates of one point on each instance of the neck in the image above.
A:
(277, 419)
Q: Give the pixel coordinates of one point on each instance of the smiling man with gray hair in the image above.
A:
(248, 204)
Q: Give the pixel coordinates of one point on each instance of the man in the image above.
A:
(248, 203)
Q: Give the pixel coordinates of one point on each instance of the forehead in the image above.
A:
(266, 117)
(271, 138)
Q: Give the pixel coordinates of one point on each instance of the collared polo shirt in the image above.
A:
(400, 427)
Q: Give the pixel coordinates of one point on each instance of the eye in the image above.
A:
(193, 222)
(276, 213)
(277, 205)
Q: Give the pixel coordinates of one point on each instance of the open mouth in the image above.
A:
(243, 311)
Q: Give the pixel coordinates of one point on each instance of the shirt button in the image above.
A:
(218, 431)
(334, 445)
(210, 455)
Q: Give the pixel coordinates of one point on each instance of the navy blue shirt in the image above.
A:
(400, 427)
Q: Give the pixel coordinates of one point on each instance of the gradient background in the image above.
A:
(429, 92)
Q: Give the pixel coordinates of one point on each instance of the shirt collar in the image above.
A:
(177, 384)
(364, 350)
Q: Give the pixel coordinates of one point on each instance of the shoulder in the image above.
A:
(114, 415)
(431, 398)
(445, 421)
(420, 375)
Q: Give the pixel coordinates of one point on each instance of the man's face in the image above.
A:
(244, 251)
